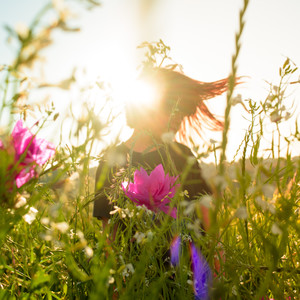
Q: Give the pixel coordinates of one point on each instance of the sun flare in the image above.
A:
(135, 91)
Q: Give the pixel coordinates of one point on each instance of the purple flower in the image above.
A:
(154, 191)
(202, 274)
(175, 249)
(30, 152)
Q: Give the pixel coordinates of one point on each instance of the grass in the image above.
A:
(65, 253)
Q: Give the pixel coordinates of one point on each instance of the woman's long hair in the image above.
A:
(182, 98)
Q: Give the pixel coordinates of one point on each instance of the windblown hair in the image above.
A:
(182, 98)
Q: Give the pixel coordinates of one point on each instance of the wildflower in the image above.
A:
(175, 250)
(276, 229)
(30, 216)
(139, 236)
(241, 213)
(200, 268)
(206, 200)
(202, 273)
(88, 251)
(20, 201)
(37, 151)
(127, 270)
(154, 190)
(61, 226)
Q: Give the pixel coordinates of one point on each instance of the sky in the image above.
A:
(201, 36)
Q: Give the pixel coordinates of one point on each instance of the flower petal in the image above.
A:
(175, 249)
(202, 274)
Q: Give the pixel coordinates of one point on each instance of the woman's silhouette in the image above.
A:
(180, 107)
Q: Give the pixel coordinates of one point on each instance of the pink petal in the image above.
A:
(24, 176)
(21, 137)
(40, 151)
(172, 212)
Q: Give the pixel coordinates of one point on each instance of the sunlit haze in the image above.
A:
(200, 34)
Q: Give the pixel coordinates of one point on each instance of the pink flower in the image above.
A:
(30, 152)
(154, 191)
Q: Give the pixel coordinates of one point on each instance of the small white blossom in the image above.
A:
(89, 252)
(127, 270)
(20, 201)
(206, 200)
(190, 208)
(61, 226)
(241, 213)
(111, 280)
(268, 190)
(22, 29)
(275, 229)
(45, 221)
(149, 235)
(31, 215)
(139, 236)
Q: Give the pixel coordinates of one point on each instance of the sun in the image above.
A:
(133, 90)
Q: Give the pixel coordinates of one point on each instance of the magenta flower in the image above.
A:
(154, 191)
(30, 152)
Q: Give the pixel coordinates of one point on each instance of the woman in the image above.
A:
(179, 108)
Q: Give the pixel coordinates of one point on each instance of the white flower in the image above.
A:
(128, 269)
(275, 229)
(268, 190)
(22, 29)
(206, 200)
(89, 252)
(139, 236)
(20, 201)
(30, 216)
(111, 280)
(149, 235)
(241, 213)
(61, 226)
(45, 221)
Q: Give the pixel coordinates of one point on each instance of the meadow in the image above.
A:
(53, 248)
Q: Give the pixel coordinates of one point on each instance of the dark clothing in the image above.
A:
(174, 157)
